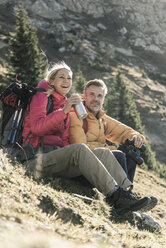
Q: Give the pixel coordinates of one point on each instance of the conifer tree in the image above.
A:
(128, 111)
(112, 100)
(79, 82)
(121, 106)
(25, 58)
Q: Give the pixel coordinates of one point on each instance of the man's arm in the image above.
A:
(118, 132)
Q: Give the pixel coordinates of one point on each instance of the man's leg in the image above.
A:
(131, 164)
(121, 157)
(114, 168)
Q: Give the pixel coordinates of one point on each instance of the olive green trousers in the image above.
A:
(98, 166)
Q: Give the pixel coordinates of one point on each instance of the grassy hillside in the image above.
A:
(64, 213)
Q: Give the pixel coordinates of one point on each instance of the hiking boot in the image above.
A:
(151, 205)
(124, 201)
(148, 207)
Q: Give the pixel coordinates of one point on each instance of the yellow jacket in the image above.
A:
(98, 130)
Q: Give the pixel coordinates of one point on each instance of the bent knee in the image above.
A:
(119, 154)
(107, 151)
(82, 147)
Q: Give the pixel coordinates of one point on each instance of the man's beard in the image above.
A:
(95, 105)
(94, 108)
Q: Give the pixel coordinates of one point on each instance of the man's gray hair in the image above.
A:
(98, 83)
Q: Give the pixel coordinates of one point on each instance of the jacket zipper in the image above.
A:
(99, 124)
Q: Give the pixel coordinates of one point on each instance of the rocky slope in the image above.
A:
(99, 34)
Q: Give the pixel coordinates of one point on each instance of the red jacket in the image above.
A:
(54, 127)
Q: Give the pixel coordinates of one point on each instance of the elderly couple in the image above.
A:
(80, 152)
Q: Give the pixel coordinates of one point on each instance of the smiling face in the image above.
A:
(94, 98)
(62, 82)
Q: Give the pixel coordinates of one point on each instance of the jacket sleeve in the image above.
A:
(76, 131)
(41, 123)
(118, 132)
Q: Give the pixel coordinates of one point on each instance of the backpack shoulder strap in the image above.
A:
(85, 125)
(40, 90)
(50, 100)
(50, 105)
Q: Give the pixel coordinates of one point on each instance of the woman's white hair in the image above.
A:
(51, 73)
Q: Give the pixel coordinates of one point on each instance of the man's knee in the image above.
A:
(119, 155)
(107, 152)
(81, 148)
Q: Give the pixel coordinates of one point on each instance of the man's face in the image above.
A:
(94, 98)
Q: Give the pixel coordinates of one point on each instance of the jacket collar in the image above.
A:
(91, 115)
(59, 98)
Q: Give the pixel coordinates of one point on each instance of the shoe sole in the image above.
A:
(150, 206)
(122, 211)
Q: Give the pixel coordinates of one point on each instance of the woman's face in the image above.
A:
(62, 82)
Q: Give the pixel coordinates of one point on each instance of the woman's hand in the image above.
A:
(74, 99)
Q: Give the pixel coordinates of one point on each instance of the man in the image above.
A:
(98, 127)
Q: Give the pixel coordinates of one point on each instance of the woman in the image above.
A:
(97, 167)
(54, 126)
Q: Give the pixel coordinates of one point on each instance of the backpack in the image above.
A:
(15, 101)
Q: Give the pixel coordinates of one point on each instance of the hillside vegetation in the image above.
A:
(64, 213)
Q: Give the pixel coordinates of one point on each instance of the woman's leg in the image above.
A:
(72, 161)
(78, 159)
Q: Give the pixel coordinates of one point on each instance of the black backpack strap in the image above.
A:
(50, 105)
(50, 101)
(85, 125)
(49, 110)
(40, 90)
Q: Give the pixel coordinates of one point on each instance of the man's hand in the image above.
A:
(138, 141)
(74, 99)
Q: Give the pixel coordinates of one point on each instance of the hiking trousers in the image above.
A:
(98, 166)
(131, 164)
(121, 157)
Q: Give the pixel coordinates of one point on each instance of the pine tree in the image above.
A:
(128, 111)
(121, 106)
(112, 100)
(25, 58)
(79, 82)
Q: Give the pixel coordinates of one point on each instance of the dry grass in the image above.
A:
(50, 214)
